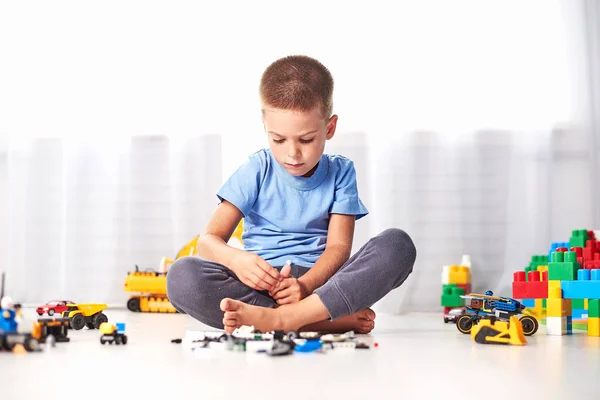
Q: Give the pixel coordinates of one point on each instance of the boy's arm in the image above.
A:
(337, 251)
(212, 244)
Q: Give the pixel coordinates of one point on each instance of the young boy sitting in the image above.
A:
(299, 207)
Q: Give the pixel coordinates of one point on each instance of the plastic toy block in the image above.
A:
(585, 304)
(594, 327)
(529, 302)
(579, 314)
(579, 304)
(451, 296)
(582, 326)
(554, 293)
(569, 325)
(555, 246)
(559, 307)
(556, 326)
(593, 263)
(445, 275)
(465, 286)
(459, 274)
(591, 247)
(578, 238)
(563, 270)
(581, 289)
(532, 289)
(554, 284)
(594, 308)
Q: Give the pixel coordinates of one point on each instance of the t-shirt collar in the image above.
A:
(300, 182)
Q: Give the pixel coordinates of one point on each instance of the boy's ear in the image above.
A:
(331, 125)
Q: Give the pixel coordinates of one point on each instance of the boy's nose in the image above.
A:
(293, 152)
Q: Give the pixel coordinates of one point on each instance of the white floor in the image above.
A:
(419, 357)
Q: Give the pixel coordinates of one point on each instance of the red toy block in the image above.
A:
(533, 289)
(466, 286)
(561, 250)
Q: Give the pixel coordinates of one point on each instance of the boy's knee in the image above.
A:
(182, 283)
(402, 247)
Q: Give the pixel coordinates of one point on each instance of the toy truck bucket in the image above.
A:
(120, 327)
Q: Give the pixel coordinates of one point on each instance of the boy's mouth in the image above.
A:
(293, 166)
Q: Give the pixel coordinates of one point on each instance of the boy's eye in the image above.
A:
(306, 141)
(278, 141)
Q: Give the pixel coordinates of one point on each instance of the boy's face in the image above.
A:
(297, 139)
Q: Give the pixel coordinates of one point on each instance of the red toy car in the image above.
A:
(54, 306)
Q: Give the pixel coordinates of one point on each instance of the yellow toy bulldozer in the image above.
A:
(151, 286)
(89, 315)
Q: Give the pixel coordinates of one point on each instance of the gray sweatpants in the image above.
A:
(196, 286)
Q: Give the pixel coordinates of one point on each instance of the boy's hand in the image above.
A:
(291, 290)
(255, 272)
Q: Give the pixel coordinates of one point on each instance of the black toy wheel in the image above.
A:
(118, 340)
(99, 319)
(50, 312)
(464, 324)
(90, 325)
(77, 322)
(530, 325)
(133, 304)
(124, 339)
(102, 341)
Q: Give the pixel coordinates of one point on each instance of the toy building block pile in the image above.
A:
(569, 284)
(456, 282)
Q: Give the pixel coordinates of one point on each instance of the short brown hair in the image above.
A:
(297, 83)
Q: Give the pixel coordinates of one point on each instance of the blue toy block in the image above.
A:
(569, 325)
(528, 302)
(578, 313)
(120, 327)
(557, 245)
(581, 289)
(583, 275)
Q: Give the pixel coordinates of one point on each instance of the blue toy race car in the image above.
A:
(492, 307)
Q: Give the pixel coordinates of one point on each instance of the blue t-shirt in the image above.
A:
(287, 217)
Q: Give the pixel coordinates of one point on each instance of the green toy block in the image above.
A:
(535, 262)
(593, 308)
(451, 296)
(580, 326)
(563, 271)
(578, 304)
(543, 303)
(578, 238)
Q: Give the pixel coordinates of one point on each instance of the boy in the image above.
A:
(299, 207)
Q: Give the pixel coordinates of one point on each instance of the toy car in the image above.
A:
(492, 307)
(454, 314)
(54, 306)
(113, 333)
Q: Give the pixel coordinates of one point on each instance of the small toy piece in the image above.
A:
(113, 333)
(9, 340)
(8, 323)
(53, 306)
(454, 314)
(488, 331)
(89, 315)
(480, 306)
(58, 328)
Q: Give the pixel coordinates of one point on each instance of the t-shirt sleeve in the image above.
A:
(241, 189)
(346, 199)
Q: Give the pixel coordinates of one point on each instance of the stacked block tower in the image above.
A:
(456, 282)
(569, 284)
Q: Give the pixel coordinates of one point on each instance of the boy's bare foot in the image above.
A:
(238, 313)
(360, 322)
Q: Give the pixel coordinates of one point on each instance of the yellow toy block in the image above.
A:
(542, 268)
(554, 285)
(585, 304)
(554, 292)
(594, 326)
(559, 307)
(459, 274)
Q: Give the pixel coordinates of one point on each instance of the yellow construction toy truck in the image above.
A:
(89, 315)
(151, 286)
